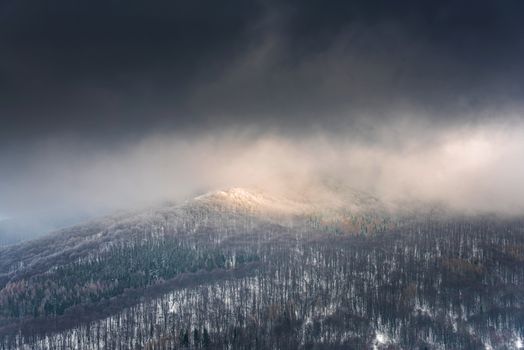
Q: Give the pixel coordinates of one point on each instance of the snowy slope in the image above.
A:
(223, 213)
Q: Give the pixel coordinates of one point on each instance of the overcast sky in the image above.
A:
(109, 102)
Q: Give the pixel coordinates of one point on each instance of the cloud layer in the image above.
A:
(106, 70)
(470, 169)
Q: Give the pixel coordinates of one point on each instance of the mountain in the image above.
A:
(223, 212)
(246, 268)
(15, 231)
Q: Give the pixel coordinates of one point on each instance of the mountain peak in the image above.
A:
(254, 200)
(324, 200)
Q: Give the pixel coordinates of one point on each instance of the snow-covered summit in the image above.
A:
(324, 201)
(253, 200)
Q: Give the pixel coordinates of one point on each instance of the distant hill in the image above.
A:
(15, 231)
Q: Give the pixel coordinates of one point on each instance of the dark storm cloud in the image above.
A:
(110, 64)
(112, 68)
(332, 63)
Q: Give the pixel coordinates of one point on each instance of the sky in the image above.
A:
(110, 104)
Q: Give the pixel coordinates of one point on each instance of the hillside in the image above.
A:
(244, 268)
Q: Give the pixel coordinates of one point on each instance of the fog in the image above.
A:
(472, 168)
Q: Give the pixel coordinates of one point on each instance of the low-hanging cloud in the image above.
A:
(470, 169)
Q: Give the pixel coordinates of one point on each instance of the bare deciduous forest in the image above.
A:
(203, 276)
